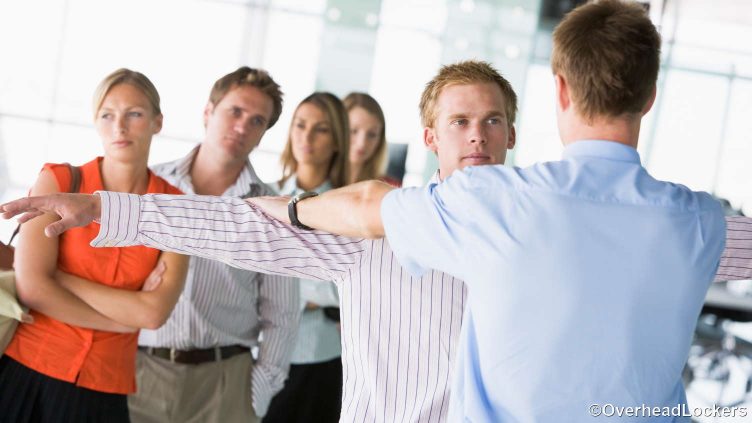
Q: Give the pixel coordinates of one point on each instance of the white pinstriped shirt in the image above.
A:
(222, 305)
(399, 333)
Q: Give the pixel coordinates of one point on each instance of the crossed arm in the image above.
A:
(77, 301)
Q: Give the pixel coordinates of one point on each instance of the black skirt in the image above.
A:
(29, 396)
(312, 393)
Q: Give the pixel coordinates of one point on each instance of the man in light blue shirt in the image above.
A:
(585, 275)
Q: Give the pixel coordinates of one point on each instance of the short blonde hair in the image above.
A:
(464, 73)
(339, 166)
(615, 74)
(245, 76)
(376, 164)
(127, 76)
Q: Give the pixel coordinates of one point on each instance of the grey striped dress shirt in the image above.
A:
(399, 334)
(222, 305)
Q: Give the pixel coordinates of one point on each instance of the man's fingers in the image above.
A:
(14, 208)
(55, 229)
(30, 215)
(32, 206)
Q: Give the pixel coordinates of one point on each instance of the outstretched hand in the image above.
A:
(73, 209)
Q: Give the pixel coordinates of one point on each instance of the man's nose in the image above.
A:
(477, 134)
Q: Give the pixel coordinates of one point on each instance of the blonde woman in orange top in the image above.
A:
(76, 361)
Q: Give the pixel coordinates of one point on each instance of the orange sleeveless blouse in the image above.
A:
(93, 359)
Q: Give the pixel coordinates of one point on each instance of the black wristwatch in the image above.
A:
(292, 209)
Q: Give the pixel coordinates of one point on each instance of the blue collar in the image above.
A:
(601, 149)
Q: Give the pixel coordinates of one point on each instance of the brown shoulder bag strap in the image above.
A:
(75, 186)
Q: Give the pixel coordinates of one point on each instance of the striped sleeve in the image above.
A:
(736, 259)
(279, 314)
(225, 229)
(119, 220)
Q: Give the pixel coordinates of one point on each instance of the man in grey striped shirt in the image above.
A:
(198, 366)
(399, 333)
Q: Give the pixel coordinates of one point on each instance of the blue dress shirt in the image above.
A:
(585, 279)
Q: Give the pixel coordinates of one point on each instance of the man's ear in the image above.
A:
(651, 100)
(563, 99)
(208, 110)
(512, 138)
(430, 140)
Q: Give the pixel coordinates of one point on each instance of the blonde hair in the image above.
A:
(616, 74)
(245, 76)
(375, 165)
(464, 73)
(127, 76)
(339, 166)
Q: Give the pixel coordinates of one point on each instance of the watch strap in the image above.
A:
(292, 209)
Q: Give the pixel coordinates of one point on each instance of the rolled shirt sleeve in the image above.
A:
(422, 225)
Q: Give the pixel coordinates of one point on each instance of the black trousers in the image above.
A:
(312, 393)
(29, 396)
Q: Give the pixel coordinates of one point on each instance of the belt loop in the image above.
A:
(173, 354)
(217, 354)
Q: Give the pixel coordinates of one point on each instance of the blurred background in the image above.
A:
(54, 52)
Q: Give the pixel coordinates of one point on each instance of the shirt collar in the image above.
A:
(435, 179)
(290, 187)
(602, 149)
(247, 184)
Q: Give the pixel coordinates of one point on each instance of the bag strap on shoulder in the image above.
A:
(75, 186)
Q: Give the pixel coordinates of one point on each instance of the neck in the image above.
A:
(124, 177)
(310, 177)
(623, 130)
(212, 176)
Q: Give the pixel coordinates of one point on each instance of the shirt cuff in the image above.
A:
(264, 386)
(119, 220)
